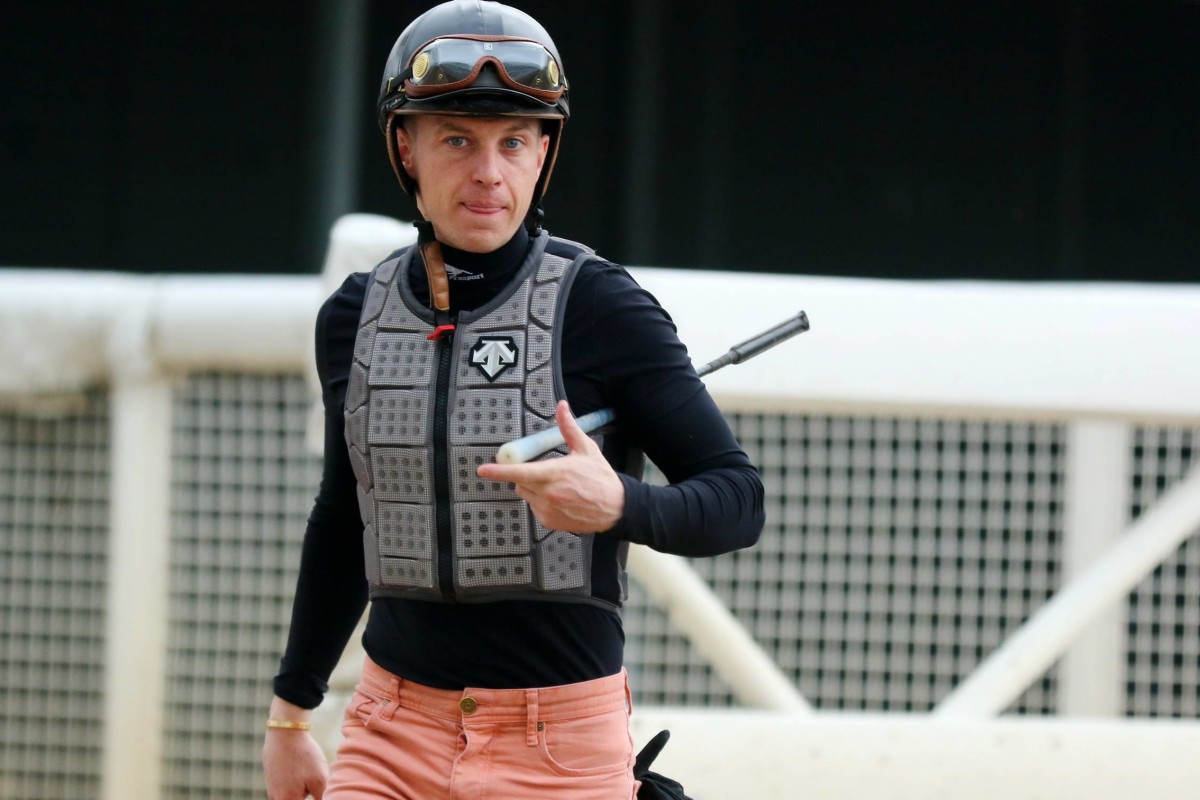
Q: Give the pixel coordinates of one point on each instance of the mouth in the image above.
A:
(482, 207)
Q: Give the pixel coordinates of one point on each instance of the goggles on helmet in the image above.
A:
(448, 64)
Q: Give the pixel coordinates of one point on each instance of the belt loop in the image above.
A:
(628, 693)
(531, 717)
(392, 703)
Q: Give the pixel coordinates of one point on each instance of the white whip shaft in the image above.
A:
(530, 447)
(527, 448)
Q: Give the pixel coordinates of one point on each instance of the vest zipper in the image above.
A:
(441, 467)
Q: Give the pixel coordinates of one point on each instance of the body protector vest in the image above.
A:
(422, 414)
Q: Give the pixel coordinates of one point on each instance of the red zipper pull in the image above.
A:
(439, 332)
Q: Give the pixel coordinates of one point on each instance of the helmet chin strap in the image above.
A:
(435, 265)
(534, 219)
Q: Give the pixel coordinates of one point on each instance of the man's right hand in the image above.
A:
(293, 764)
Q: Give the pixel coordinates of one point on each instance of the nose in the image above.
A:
(487, 167)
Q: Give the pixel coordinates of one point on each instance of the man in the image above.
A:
(494, 640)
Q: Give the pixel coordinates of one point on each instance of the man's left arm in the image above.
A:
(714, 503)
(717, 509)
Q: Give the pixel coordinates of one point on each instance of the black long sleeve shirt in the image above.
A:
(619, 350)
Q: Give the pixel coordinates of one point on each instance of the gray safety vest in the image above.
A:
(421, 415)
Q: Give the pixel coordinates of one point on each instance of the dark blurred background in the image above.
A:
(986, 139)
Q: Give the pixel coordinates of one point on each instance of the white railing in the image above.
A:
(1098, 358)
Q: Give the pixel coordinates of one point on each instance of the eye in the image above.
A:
(514, 143)
(457, 141)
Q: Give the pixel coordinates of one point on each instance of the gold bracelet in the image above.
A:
(288, 724)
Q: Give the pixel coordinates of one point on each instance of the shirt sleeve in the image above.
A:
(714, 501)
(331, 591)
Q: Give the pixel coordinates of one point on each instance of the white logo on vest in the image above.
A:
(494, 354)
(456, 274)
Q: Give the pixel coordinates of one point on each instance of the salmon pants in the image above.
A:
(405, 741)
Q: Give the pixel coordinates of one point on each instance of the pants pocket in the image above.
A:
(365, 707)
(591, 745)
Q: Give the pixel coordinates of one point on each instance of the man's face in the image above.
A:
(476, 175)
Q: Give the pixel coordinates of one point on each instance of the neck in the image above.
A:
(474, 278)
(503, 259)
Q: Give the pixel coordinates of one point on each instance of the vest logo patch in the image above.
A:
(492, 355)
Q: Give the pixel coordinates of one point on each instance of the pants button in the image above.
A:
(467, 705)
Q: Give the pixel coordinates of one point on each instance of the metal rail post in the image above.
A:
(138, 565)
(1092, 673)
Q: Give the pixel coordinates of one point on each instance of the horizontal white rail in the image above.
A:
(1050, 351)
(1044, 351)
(732, 754)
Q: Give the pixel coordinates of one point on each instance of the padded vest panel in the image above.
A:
(503, 382)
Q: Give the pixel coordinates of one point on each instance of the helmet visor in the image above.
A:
(449, 64)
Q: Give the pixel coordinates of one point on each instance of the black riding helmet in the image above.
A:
(475, 58)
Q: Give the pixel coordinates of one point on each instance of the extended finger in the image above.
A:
(573, 435)
(532, 472)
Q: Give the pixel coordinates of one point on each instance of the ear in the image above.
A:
(404, 148)
(544, 147)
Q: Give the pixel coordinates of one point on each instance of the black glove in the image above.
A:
(655, 786)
